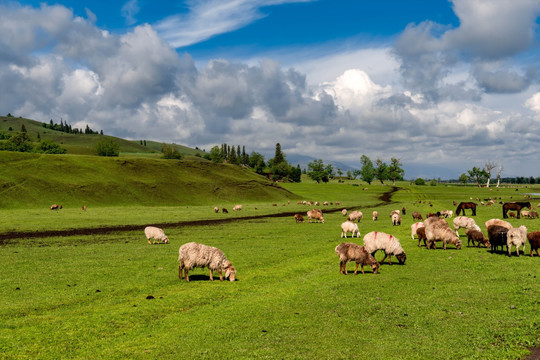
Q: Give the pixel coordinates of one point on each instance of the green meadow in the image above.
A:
(111, 295)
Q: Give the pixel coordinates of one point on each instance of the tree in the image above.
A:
(317, 172)
(23, 128)
(478, 175)
(395, 172)
(107, 147)
(339, 172)
(232, 156)
(420, 182)
(170, 152)
(215, 155)
(464, 178)
(50, 147)
(488, 166)
(367, 172)
(295, 174)
(278, 166)
(499, 172)
(278, 155)
(381, 170)
(19, 142)
(256, 162)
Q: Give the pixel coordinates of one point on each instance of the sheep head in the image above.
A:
(375, 267)
(230, 272)
(401, 257)
(166, 240)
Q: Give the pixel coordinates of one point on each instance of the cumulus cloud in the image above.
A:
(136, 85)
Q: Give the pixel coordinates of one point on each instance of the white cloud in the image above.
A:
(129, 10)
(207, 18)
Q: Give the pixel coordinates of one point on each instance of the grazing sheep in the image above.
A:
(349, 227)
(516, 237)
(353, 252)
(298, 218)
(477, 237)
(497, 235)
(498, 222)
(512, 214)
(325, 203)
(355, 216)
(237, 207)
(533, 215)
(375, 216)
(534, 241)
(396, 219)
(414, 227)
(225, 211)
(338, 203)
(192, 255)
(421, 233)
(344, 212)
(374, 241)
(438, 230)
(56, 207)
(156, 234)
(395, 212)
(525, 213)
(447, 213)
(216, 209)
(315, 214)
(403, 210)
(83, 208)
(464, 222)
(417, 216)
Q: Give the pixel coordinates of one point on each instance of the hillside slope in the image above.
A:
(35, 180)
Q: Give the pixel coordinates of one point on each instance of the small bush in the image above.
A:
(419, 181)
(107, 147)
(169, 152)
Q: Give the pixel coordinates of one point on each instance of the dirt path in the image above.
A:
(385, 198)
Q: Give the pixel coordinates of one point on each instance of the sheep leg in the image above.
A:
(220, 275)
(356, 269)
(384, 258)
(342, 266)
(186, 274)
(180, 271)
(211, 276)
(362, 268)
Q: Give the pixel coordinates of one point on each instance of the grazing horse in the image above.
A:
(515, 206)
(466, 205)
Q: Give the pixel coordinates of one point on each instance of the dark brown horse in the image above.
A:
(515, 206)
(466, 205)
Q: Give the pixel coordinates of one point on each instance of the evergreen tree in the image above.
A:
(295, 174)
(256, 161)
(232, 156)
(23, 128)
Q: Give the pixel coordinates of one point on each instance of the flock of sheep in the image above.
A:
(433, 229)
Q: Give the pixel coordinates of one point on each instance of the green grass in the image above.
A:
(86, 296)
(38, 181)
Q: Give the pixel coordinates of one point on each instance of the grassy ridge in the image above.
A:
(36, 180)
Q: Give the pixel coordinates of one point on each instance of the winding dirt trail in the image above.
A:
(385, 198)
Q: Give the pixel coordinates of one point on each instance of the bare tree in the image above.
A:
(488, 166)
(499, 172)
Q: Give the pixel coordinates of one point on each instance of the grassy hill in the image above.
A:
(30, 180)
(84, 144)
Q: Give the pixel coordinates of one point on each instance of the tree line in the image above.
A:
(67, 128)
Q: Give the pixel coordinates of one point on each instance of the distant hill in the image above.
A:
(84, 144)
(39, 180)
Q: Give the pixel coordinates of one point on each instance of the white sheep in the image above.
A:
(216, 209)
(464, 222)
(192, 255)
(349, 227)
(438, 230)
(344, 212)
(396, 219)
(237, 207)
(156, 234)
(375, 215)
(516, 237)
(375, 240)
(414, 227)
(355, 216)
(447, 213)
(498, 222)
(316, 215)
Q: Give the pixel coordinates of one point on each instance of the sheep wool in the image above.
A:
(192, 255)
(376, 240)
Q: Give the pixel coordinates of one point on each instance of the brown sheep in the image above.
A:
(476, 236)
(353, 252)
(417, 216)
(421, 233)
(225, 211)
(534, 241)
(316, 215)
(298, 218)
(56, 207)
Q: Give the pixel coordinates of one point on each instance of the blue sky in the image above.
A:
(441, 85)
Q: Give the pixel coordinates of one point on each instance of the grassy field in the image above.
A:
(112, 296)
